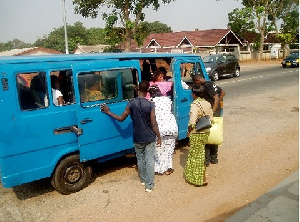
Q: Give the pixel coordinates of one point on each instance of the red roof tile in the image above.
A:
(196, 38)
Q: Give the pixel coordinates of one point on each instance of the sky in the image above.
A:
(32, 19)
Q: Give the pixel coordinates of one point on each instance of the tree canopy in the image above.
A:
(77, 34)
(146, 28)
(14, 44)
(263, 15)
(123, 18)
(241, 21)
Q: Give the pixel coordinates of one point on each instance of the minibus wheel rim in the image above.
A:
(73, 173)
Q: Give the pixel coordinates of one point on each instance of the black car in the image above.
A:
(221, 65)
(292, 60)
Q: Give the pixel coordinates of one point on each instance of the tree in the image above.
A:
(77, 34)
(281, 8)
(241, 21)
(95, 36)
(261, 10)
(289, 28)
(268, 13)
(146, 28)
(128, 12)
(55, 40)
(14, 44)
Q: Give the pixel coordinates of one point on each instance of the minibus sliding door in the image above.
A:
(113, 83)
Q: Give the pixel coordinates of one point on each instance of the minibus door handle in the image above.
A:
(76, 130)
(184, 100)
(86, 120)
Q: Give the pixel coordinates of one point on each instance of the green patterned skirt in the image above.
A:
(194, 170)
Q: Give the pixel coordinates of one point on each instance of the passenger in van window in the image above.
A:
(168, 130)
(214, 95)
(94, 92)
(56, 94)
(145, 133)
(146, 70)
(64, 86)
(37, 85)
(159, 80)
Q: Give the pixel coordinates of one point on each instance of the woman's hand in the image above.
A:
(158, 142)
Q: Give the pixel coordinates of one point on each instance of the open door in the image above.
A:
(184, 70)
(110, 82)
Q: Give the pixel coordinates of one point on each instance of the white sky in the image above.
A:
(29, 20)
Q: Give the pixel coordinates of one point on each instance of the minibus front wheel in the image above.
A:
(71, 175)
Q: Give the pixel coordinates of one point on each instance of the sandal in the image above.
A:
(169, 171)
(205, 182)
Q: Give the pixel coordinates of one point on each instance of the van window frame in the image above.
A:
(135, 80)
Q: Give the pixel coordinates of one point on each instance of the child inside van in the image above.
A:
(56, 94)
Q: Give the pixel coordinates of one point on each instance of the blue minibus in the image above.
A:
(41, 139)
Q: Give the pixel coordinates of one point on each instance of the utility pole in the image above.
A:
(65, 26)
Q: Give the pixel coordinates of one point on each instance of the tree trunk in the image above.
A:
(284, 50)
(127, 32)
(127, 43)
(261, 47)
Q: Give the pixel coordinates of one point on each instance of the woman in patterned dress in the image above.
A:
(168, 130)
(194, 170)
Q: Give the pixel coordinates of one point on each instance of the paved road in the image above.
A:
(281, 203)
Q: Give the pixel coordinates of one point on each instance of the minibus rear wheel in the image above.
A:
(71, 175)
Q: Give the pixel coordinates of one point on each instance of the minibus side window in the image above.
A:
(187, 70)
(65, 79)
(199, 71)
(114, 85)
(32, 90)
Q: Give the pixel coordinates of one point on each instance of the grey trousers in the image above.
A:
(211, 153)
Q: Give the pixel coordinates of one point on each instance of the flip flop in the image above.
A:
(169, 171)
(205, 183)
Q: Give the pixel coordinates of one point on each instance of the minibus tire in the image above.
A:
(71, 175)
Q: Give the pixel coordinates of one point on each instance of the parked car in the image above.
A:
(292, 60)
(220, 65)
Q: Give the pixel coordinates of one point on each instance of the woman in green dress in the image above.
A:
(194, 171)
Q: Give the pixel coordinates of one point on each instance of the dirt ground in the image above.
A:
(253, 158)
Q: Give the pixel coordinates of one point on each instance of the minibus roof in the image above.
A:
(88, 56)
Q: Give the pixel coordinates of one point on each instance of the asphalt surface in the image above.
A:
(279, 204)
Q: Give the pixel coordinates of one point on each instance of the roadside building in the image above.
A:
(200, 41)
(80, 49)
(29, 51)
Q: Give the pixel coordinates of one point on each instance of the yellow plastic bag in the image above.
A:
(216, 132)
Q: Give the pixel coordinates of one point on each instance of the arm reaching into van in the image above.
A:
(121, 118)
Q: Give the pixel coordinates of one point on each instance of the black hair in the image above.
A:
(53, 81)
(162, 70)
(154, 91)
(198, 90)
(144, 86)
(196, 77)
(157, 73)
